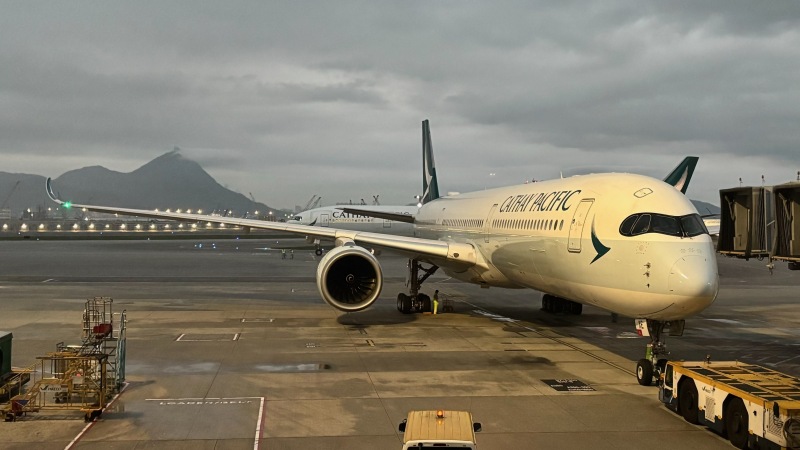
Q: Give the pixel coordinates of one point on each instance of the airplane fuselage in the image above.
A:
(334, 217)
(565, 237)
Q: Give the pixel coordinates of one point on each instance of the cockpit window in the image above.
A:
(642, 225)
(297, 218)
(665, 225)
(693, 225)
(627, 224)
(683, 226)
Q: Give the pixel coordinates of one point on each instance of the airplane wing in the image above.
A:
(397, 217)
(433, 251)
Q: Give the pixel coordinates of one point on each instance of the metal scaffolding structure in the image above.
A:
(79, 377)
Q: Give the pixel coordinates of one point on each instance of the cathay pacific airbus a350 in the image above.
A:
(630, 244)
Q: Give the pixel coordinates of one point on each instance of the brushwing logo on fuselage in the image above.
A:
(598, 246)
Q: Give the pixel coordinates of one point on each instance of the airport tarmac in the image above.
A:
(230, 346)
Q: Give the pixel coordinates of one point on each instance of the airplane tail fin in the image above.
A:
(430, 187)
(682, 174)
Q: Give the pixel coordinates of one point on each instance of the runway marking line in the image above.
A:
(180, 338)
(490, 315)
(261, 416)
(91, 424)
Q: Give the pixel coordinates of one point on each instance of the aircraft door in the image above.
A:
(578, 223)
(324, 220)
(387, 223)
(487, 226)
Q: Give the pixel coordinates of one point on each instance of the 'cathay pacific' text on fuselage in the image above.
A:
(544, 201)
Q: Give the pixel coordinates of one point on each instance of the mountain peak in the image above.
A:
(168, 181)
(173, 162)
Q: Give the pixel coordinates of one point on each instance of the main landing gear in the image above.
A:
(558, 305)
(415, 301)
(655, 360)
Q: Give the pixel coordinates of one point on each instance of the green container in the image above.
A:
(5, 353)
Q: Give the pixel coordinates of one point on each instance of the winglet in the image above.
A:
(50, 193)
(682, 174)
(430, 186)
(53, 197)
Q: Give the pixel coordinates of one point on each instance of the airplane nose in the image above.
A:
(696, 279)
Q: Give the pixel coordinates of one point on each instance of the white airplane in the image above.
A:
(630, 244)
(336, 217)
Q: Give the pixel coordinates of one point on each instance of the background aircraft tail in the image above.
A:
(430, 187)
(682, 174)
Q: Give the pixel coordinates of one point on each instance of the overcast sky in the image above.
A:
(289, 99)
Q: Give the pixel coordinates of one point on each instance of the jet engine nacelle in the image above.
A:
(349, 278)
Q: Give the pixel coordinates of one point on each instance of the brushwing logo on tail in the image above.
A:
(430, 185)
(681, 175)
(681, 184)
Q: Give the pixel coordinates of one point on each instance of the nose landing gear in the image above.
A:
(655, 360)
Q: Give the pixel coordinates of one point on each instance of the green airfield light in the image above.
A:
(68, 205)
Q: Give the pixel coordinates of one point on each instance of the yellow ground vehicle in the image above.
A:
(439, 429)
(753, 406)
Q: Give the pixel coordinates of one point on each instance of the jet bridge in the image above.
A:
(747, 222)
(787, 219)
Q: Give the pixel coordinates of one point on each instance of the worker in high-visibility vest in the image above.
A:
(435, 301)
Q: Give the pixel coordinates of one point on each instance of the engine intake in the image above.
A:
(349, 278)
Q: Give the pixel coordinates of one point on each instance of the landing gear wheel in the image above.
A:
(414, 301)
(403, 303)
(425, 301)
(644, 372)
(736, 423)
(687, 402)
(318, 252)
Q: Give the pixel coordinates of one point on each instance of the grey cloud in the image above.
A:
(282, 98)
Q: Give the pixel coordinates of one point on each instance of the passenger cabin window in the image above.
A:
(683, 226)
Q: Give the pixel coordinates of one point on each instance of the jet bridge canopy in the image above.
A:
(747, 222)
